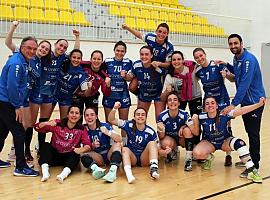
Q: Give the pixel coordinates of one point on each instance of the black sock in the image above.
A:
(87, 161)
(28, 139)
(116, 158)
(189, 144)
(42, 136)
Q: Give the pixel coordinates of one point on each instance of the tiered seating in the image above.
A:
(180, 20)
(42, 11)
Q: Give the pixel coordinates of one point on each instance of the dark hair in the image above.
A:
(97, 51)
(147, 47)
(98, 124)
(234, 35)
(66, 63)
(198, 49)
(171, 68)
(60, 40)
(120, 43)
(217, 118)
(47, 58)
(173, 93)
(134, 127)
(25, 39)
(64, 121)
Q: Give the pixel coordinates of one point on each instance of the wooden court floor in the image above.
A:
(218, 183)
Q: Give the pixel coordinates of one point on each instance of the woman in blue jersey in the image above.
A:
(149, 81)
(215, 135)
(118, 69)
(212, 80)
(172, 126)
(70, 77)
(141, 148)
(103, 152)
(162, 47)
(34, 96)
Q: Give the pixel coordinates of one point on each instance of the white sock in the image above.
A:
(249, 164)
(189, 155)
(45, 172)
(129, 174)
(66, 171)
(93, 167)
(153, 161)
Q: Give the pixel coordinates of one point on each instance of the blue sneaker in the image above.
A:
(25, 172)
(4, 164)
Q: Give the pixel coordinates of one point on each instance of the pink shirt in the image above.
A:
(64, 139)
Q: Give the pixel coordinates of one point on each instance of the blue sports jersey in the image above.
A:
(248, 79)
(50, 74)
(149, 81)
(103, 139)
(137, 141)
(162, 52)
(213, 82)
(13, 81)
(68, 82)
(119, 86)
(173, 125)
(216, 134)
(35, 71)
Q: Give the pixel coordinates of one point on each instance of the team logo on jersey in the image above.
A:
(239, 64)
(17, 69)
(247, 66)
(146, 136)
(213, 70)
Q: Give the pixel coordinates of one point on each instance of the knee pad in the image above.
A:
(87, 161)
(116, 158)
(237, 143)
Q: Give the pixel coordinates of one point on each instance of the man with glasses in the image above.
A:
(13, 87)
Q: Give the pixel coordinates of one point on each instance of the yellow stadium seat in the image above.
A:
(140, 23)
(196, 19)
(101, 2)
(37, 3)
(166, 1)
(135, 12)
(52, 16)
(79, 18)
(197, 29)
(22, 3)
(188, 18)
(65, 17)
(37, 14)
(151, 25)
(204, 20)
(148, 3)
(180, 17)
(156, 4)
(173, 6)
(130, 22)
(129, 1)
(172, 27)
(163, 15)
(154, 14)
(7, 2)
(205, 30)
(50, 4)
(145, 13)
(181, 7)
(172, 16)
(124, 11)
(189, 29)
(64, 5)
(180, 28)
(165, 5)
(114, 10)
(21, 13)
(6, 12)
(139, 1)
(174, 2)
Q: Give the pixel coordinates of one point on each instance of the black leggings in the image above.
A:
(52, 157)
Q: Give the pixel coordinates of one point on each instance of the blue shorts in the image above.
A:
(109, 103)
(137, 155)
(40, 98)
(62, 102)
(155, 99)
(218, 144)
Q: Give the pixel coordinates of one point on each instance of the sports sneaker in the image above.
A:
(29, 164)
(98, 173)
(208, 162)
(188, 165)
(228, 161)
(4, 164)
(154, 172)
(110, 176)
(25, 172)
(254, 176)
(28, 156)
(244, 174)
(240, 164)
